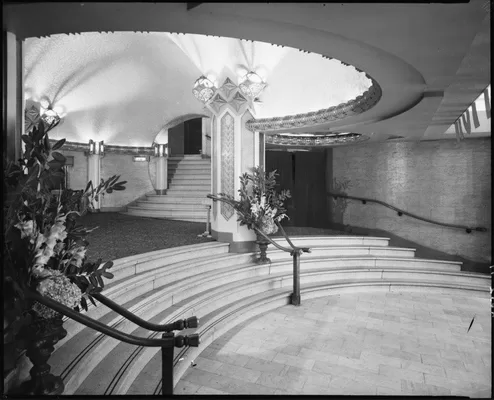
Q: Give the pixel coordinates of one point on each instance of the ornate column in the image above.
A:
(235, 150)
(161, 154)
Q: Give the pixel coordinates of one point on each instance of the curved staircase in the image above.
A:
(189, 181)
(224, 289)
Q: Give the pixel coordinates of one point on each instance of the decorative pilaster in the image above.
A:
(234, 151)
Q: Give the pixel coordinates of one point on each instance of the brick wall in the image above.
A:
(442, 180)
(136, 174)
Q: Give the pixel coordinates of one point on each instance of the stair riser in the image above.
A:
(198, 175)
(168, 213)
(170, 199)
(189, 188)
(333, 241)
(335, 252)
(171, 206)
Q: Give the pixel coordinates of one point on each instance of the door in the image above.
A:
(193, 136)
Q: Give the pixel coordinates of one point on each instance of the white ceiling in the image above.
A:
(431, 60)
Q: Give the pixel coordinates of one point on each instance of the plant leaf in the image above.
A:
(59, 144)
(58, 156)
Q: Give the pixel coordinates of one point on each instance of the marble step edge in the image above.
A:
(137, 213)
(133, 284)
(361, 249)
(256, 284)
(129, 286)
(175, 206)
(172, 211)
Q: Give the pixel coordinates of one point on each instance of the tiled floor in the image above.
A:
(395, 343)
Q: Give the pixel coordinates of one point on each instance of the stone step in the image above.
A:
(146, 205)
(190, 176)
(332, 251)
(197, 187)
(224, 289)
(199, 194)
(218, 307)
(181, 215)
(172, 199)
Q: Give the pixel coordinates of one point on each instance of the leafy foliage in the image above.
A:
(44, 246)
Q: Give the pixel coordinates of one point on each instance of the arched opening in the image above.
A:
(186, 137)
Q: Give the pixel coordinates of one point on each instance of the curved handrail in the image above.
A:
(192, 322)
(98, 326)
(468, 229)
(283, 248)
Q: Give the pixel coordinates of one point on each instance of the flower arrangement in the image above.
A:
(260, 205)
(44, 247)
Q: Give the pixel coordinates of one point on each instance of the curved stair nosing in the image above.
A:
(151, 278)
(255, 286)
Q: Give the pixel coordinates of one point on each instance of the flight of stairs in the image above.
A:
(224, 289)
(189, 181)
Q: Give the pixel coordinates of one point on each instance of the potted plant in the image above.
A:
(44, 251)
(260, 206)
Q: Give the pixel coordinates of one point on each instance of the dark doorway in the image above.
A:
(193, 136)
(304, 174)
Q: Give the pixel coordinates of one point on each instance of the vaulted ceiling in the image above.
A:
(431, 61)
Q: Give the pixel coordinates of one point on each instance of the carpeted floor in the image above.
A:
(119, 235)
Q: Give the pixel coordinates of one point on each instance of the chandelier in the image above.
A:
(203, 89)
(251, 85)
(50, 117)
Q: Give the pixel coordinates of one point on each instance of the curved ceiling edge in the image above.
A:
(342, 111)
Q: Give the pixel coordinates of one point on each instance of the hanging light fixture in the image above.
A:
(203, 89)
(251, 85)
(50, 117)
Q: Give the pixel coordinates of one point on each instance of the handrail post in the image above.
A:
(295, 297)
(167, 367)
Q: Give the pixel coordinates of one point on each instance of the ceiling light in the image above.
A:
(203, 89)
(50, 117)
(251, 85)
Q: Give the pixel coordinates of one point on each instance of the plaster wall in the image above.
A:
(139, 177)
(135, 173)
(441, 180)
(77, 174)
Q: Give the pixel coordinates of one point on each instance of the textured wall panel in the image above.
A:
(215, 160)
(227, 162)
(441, 180)
(248, 145)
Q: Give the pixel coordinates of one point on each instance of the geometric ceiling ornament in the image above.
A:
(238, 101)
(217, 103)
(251, 85)
(228, 87)
(32, 117)
(353, 107)
(314, 139)
(203, 89)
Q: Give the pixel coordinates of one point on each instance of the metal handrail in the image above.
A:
(364, 200)
(295, 251)
(192, 322)
(167, 342)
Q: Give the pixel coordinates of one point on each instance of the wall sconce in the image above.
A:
(96, 148)
(50, 117)
(140, 158)
(203, 89)
(160, 150)
(251, 85)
